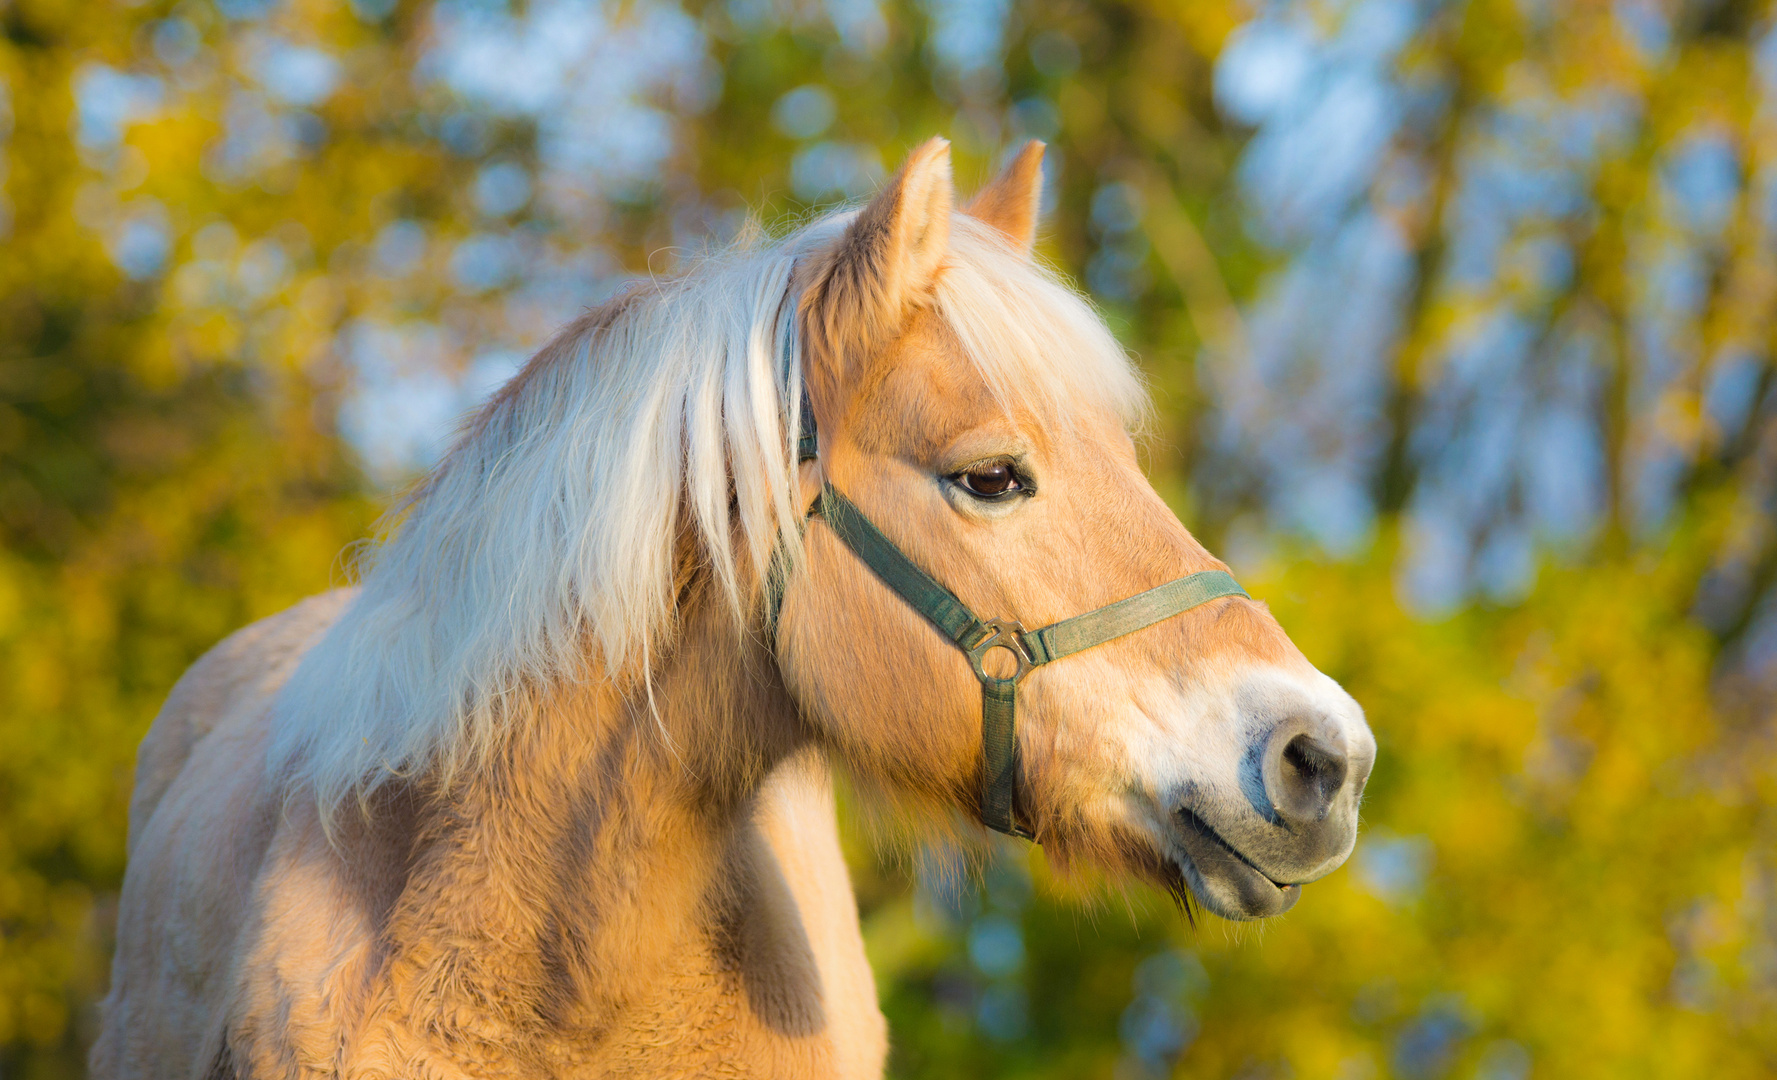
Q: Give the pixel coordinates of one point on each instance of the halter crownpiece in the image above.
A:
(975, 636)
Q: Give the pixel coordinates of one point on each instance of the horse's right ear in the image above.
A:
(1011, 203)
(862, 288)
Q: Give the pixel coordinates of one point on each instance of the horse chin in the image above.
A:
(1222, 880)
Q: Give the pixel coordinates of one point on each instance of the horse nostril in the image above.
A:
(1307, 776)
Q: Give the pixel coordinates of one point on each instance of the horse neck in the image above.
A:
(576, 867)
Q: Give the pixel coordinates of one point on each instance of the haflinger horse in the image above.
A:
(547, 794)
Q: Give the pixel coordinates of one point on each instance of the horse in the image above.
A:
(548, 793)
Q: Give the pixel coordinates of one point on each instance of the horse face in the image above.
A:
(1203, 750)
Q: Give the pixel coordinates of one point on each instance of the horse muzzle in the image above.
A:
(1294, 822)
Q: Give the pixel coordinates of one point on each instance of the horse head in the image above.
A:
(976, 413)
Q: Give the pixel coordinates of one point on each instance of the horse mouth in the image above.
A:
(1221, 878)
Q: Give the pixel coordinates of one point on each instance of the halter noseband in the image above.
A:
(975, 636)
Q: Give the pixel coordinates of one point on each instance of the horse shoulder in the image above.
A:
(237, 676)
(797, 823)
(201, 821)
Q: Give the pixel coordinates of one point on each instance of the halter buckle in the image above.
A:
(1007, 634)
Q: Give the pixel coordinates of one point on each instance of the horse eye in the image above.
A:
(990, 480)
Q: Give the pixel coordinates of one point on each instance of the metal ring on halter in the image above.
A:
(1007, 634)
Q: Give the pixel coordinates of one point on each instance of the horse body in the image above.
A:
(433, 938)
(547, 795)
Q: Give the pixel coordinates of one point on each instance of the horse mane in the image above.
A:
(542, 547)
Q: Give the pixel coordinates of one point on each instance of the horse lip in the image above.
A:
(1196, 824)
(1223, 878)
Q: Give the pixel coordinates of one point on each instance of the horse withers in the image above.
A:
(547, 794)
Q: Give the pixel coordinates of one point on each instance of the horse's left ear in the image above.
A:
(1011, 203)
(864, 286)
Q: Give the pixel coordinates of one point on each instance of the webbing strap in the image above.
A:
(1138, 612)
(777, 575)
(999, 747)
(808, 448)
(776, 580)
(976, 636)
(808, 441)
(921, 591)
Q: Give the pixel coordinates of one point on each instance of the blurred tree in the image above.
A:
(167, 468)
(1552, 329)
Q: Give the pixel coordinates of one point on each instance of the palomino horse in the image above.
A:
(547, 795)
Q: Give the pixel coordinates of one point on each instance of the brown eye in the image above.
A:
(989, 480)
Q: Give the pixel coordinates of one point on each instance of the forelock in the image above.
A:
(1036, 341)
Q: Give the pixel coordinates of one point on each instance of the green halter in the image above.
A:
(976, 637)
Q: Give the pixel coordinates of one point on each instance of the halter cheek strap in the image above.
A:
(975, 636)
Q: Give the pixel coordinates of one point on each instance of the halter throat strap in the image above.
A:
(976, 637)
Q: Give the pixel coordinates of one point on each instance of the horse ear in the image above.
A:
(863, 287)
(1010, 204)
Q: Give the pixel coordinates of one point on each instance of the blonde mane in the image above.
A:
(542, 547)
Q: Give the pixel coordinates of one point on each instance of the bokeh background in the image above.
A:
(1459, 317)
